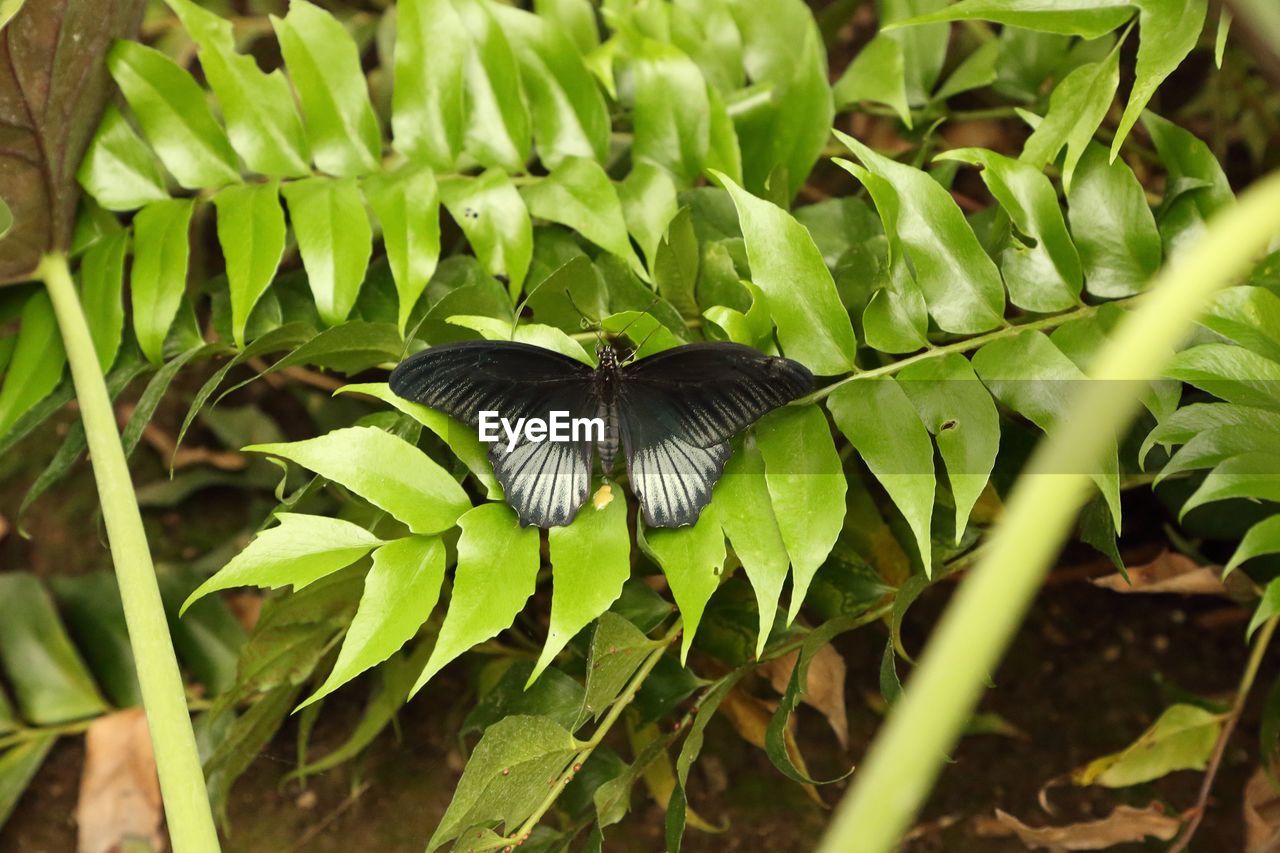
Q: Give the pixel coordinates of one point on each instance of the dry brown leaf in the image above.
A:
(119, 790)
(4, 527)
(824, 685)
(1261, 814)
(1124, 825)
(1169, 572)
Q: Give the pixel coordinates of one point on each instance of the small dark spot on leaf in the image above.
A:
(951, 424)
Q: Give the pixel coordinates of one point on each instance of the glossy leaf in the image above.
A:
(119, 170)
(428, 96)
(1232, 373)
(324, 66)
(262, 121)
(251, 232)
(498, 125)
(494, 219)
(547, 337)
(566, 107)
(807, 488)
(877, 74)
(882, 425)
(1250, 316)
(1113, 228)
(976, 71)
(580, 195)
(1044, 274)
(299, 550)
(1033, 377)
(590, 559)
(672, 112)
(36, 364)
(400, 592)
(617, 650)
(506, 776)
(407, 204)
(159, 275)
(924, 47)
(648, 198)
(692, 559)
(102, 295)
(1262, 538)
(1192, 166)
(50, 682)
(962, 417)
(385, 470)
(800, 293)
(174, 115)
(334, 238)
(960, 283)
(1087, 18)
(1076, 108)
(497, 570)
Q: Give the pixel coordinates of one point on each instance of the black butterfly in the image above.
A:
(674, 413)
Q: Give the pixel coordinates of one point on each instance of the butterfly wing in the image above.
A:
(679, 408)
(545, 482)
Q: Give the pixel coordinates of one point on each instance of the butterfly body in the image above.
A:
(671, 414)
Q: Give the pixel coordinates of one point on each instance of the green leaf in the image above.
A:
(692, 559)
(407, 204)
(498, 127)
(924, 48)
(1189, 421)
(744, 507)
(428, 95)
(1087, 18)
(497, 571)
(385, 470)
(1249, 475)
(648, 197)
(1208, 448)
(95, 617)
(881, 423)
(547, 337)
(554, 695)
(159, 276)
(1229, 372)
(6, 218)
(349, 348)
(1169, 30)
(36, 364)
(506, 777)
(577, 18)
(1076, 108)
(262, 121)
(18, 766)
(590, 559)
(298, 551)
(101, 295)
(1114, 229)
(565, 104)
(1267, 609)
(335, 239)
(962, 417)
(1250, 316)
(807, 488)
(1262, 538)
(800, 293)
(461, 439)
(400, 592)
(494, 219)
(251, 232)
(580, 195)
(617, 650)
(782, 50)
(174, 115)
(1191, 166)
(119, 170)
(1044, 275)
(324, 65)
(876, 74)
(48, 678)
(671, 111)
(247, 736)
(960, 283)
(1181, 739)
(675, 264)
(207, 638)
(1033, 377)
(976, 71)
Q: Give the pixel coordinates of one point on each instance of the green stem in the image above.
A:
(966, 345)
(968, 642)
(182, 783)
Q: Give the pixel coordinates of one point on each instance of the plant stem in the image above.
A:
(965, 648)
(615, 712)
(966, 345)
(182, 783)
(1219, 749)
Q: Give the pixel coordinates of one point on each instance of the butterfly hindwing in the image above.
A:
(679, 408)
(545, 482)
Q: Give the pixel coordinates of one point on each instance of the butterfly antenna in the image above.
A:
(587, 322)
(408, 339)
(644, 311)
(645, 340)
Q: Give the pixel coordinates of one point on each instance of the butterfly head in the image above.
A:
(606, 355)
